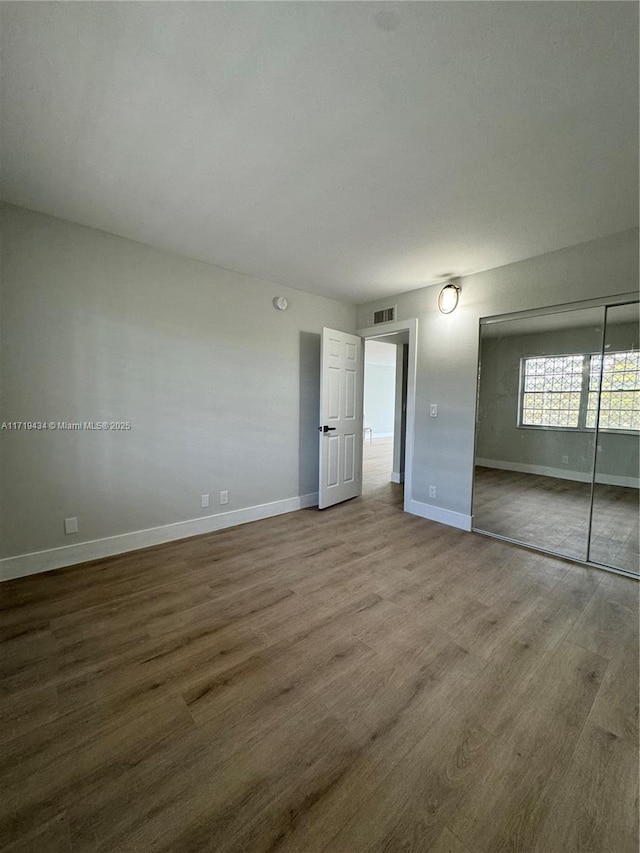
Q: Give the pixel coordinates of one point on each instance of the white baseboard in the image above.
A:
(382, 434)
(396, 477)
(96, 549)
(306, 501)
(559, 473)
(437, 513)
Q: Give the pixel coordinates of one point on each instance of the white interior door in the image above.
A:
(342, 381)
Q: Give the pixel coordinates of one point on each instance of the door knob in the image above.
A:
(326, 428)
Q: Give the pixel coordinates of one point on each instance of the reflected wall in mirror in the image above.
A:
(537, 447)
(614, 523)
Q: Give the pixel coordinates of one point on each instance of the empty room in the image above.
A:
(319, 427)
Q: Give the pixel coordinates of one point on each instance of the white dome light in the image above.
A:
(448, 298)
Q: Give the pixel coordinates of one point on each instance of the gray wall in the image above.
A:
(379, 396)
(221, 389)
(448, 347)
(499, 437)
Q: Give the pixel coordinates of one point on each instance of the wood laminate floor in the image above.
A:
(356, 679)
(553, 514)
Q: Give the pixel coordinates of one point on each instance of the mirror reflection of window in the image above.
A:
(614, 384)
(551, 392)
(566, 391)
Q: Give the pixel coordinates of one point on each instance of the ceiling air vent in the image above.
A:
(384, 315)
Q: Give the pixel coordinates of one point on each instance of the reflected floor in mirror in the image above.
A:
(553, 514)
(615, 529)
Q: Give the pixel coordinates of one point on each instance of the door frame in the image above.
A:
(382, 331)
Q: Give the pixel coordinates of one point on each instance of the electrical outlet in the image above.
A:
(224, 497)
(565, 460)
(204, 501)
(433, 410)
(71, 525)
(432, 491)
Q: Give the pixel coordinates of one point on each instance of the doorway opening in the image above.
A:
(385, 416)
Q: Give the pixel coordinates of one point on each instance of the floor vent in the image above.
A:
(384, 315)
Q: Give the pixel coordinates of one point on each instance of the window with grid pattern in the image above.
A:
(562, 391)
(619, 392)
(552, 390)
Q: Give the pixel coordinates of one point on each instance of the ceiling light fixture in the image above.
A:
(448, 297)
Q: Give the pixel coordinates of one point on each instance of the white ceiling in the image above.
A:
(355, 150)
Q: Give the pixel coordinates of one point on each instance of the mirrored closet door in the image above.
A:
(557, 437)
(614, 392)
